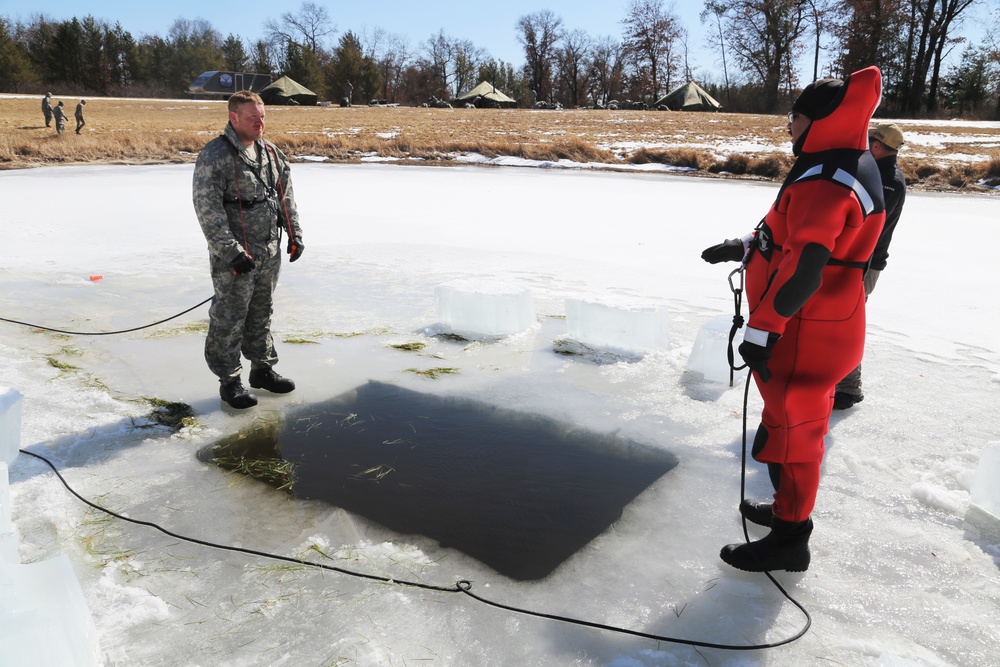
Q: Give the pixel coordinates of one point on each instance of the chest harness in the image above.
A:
(271, 196)
(762, 242)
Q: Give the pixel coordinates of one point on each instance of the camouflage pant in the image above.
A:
(239, 319)
(852, 383)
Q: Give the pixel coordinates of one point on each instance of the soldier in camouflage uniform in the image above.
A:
(244, 201)
(60, 115)
(47, 109)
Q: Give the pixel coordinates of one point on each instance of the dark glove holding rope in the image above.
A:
(756, 351)
(243, 263)
(730, 250)
(295, 248)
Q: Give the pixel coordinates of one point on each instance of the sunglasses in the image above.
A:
(792, 115)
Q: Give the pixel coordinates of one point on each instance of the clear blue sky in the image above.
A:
(489, 25)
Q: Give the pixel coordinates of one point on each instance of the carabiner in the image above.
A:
(740, 271)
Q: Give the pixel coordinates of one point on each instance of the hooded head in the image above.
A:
(819, 98)
(840, 111)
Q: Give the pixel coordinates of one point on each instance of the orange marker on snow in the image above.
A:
(96, 278)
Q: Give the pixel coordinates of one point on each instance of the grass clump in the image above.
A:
(254, 452)
(277, 472)
(193, 327)
(772, 167)
(415, 346)
(171, 414)
(676, 157)
(60, 365)
(432, 373)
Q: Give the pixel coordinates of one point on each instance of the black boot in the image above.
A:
(267, 379)
(236, 395)
(755, 512)
(786, 547)
(842, 400)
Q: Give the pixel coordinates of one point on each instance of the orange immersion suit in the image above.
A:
(804, 282)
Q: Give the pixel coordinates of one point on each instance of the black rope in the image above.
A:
(737, 324)
(460, 586)
(746, 533)
(108, 333)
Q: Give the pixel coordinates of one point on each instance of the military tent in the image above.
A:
(287, 91)
(484, 95)
(689, 97)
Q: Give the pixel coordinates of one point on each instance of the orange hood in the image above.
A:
(844, 124)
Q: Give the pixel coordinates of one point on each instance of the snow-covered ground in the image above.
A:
(899, 577)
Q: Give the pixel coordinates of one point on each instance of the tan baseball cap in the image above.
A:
(887, 133)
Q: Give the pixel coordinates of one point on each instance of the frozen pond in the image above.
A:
(899, 577)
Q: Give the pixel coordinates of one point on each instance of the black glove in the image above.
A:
(757, 355)
(295, 248)
(243, 263)
(730, 250)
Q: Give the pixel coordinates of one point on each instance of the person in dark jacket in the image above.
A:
(884, 142)
(804, 283)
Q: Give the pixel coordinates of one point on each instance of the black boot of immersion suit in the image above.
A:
(756, 512)
(786, 547)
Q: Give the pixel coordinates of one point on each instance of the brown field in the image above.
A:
(132, 131)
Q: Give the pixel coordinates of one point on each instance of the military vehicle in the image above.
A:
(227, 83)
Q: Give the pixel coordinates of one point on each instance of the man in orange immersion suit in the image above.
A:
(805, 266)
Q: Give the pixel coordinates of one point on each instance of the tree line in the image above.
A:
(757, 44)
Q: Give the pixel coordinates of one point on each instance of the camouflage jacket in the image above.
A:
(238, 199)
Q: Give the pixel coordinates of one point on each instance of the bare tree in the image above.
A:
(936, 20)
(716, 11)
(538, 34)
(309, 27)
(764, 37)
(873, 32)
(818, 12)
(607, 70)
(573, 70)
(391, 53)
(262, 58)
(650, 37)
(440, 52)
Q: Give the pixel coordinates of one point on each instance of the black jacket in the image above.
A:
(894, 191)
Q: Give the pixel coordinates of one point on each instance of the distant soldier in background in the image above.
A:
(47, 109)
(60, 116)
(80, 122)
(349, 93)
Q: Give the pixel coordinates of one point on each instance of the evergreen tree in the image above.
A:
(234, 56)
(15, 65)
(302, 64)
(350, 65)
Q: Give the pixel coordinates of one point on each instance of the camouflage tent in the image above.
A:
(689, 97)
(287, 91)
(484, 95)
